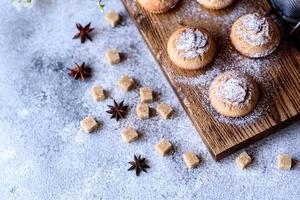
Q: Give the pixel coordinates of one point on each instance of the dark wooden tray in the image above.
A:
(281, 76)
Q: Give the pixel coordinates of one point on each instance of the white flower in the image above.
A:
(23, 3)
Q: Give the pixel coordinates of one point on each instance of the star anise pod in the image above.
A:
(139, 164)
(118, 110)
(83, 33)
(80, 71)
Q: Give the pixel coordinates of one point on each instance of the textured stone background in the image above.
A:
(44, 154)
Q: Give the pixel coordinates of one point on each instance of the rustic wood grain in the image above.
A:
(220, 138)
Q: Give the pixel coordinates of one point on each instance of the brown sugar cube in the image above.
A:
(284, 162)
(129, 135)
(126, 83)
(88, 124)
(113, 56)
(142, 111)
(164, 110)
(191, 160)
(113, 18)
(243, 160)
(163, 147)
(146, 95)
(98, 93)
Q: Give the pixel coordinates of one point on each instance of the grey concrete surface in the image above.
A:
(45, 155)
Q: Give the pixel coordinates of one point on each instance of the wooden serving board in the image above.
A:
(279, 73)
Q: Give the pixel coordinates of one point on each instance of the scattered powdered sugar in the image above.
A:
(192, 43)
(227, 59)
(255, 29)
(203, 80)
(233, 90)
(254, 67)
(192, 14)
(265, 53)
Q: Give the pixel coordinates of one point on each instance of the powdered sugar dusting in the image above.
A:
(228, 59)
(192, 43)
(233, 91)
(234, 61)
(203, 80)
(255, 29)
(192, 14)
